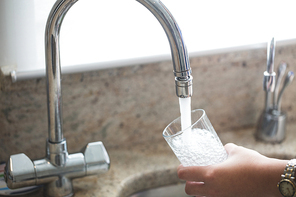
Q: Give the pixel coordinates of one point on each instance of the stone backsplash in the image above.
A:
(132, 105)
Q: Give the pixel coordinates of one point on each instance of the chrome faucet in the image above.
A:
(58, 168)
(272, 122)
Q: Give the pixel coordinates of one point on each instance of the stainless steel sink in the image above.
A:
(157, 183)
(176, 190)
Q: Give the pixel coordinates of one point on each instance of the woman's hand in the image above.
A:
(245, 173)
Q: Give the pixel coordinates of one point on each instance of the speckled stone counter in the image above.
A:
(150, 165)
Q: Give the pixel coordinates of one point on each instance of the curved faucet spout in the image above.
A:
(178, 49)
(182, 70)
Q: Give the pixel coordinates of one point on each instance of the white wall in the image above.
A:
(101, 31)
(17, 34)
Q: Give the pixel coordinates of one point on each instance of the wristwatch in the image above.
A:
(287, 184)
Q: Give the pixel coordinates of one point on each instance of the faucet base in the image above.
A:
(271, 127)
(62, 187)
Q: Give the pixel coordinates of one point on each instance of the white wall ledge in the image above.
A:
(31, 74)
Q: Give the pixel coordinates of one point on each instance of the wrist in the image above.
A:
(275, 168)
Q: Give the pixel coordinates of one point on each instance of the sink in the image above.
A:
(176, 190)
(157, 183)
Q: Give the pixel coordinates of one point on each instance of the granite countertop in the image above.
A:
(149, 165)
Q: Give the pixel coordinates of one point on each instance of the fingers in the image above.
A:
(195, 188)
(192, 173)
(230, 147)
(199, 179)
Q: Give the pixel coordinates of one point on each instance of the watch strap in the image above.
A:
(289, 172)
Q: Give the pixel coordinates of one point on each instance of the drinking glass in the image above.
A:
(197, 145)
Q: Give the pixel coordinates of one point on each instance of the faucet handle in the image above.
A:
(19, 171)
(96, 158)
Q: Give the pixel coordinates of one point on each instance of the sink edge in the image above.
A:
(148, 180)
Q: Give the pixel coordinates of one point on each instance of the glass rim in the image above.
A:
(181, 131)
